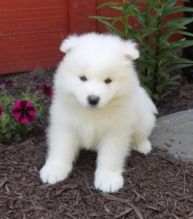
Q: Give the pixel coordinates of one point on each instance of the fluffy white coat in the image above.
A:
(121, 117)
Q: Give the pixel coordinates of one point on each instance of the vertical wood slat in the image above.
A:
(30, 33)
(79, 13)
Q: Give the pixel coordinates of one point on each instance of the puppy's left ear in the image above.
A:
(68, 44)
(131, 50)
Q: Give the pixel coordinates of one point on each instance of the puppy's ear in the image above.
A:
(68, 44)
(131, 50)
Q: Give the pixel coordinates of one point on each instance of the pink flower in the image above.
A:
(46, 89)
(23, 111)
(1, 110)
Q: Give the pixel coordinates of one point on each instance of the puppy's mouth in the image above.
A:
(93, 107)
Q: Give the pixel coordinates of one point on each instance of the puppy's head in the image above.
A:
(97, 69)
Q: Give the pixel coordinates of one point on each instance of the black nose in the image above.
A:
(93, 100)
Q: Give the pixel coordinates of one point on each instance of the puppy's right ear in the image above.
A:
(131, 50)
(68, 44)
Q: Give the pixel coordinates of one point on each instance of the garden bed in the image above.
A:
(156, 186)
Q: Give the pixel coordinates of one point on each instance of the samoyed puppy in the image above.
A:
(98, 104)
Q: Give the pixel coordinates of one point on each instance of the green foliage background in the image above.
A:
(159, 63)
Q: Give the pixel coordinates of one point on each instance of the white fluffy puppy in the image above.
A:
(98, 104)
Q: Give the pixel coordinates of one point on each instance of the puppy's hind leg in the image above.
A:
(140, 140)
(142, 145)
(141, 133)
(63, 148)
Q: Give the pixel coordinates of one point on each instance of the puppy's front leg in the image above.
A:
(63, 148)
(112, 153)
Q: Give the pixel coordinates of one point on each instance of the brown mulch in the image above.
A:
(180, 98)
(30, 80)
(156, 186)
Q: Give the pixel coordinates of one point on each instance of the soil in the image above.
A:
(157, 186)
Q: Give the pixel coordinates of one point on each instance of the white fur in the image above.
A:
(122, 120)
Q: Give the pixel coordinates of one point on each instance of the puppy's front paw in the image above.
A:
(53, 172)
(145, 147)
(108, 181)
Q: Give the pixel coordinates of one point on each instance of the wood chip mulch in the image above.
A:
(156, 186)
(180, 98)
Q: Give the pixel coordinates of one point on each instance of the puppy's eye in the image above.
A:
(108, 81)
(83, 78)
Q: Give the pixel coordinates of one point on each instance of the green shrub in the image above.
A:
(159, 63)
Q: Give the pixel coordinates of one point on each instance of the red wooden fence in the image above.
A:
(32, 30)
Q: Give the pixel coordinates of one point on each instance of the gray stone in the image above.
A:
(174, 133)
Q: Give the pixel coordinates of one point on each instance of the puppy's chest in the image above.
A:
(89, 135)
(91, 130)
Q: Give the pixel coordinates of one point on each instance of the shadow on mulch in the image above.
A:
(156, 186)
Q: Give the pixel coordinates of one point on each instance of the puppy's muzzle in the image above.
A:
(93, 100)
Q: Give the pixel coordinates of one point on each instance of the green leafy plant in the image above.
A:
(159, 63)
(21, 116)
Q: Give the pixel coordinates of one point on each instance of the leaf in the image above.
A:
(117, 7)
(181, 44)
(167, 33)
(174, 10)
(180, 66)
(107, 4)
(180, 22)
(148, 31)
(109, 26)
(102, 17)
(116, 20)
(130, 10)
(152, 4)
(170, 2)
(186, 33)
